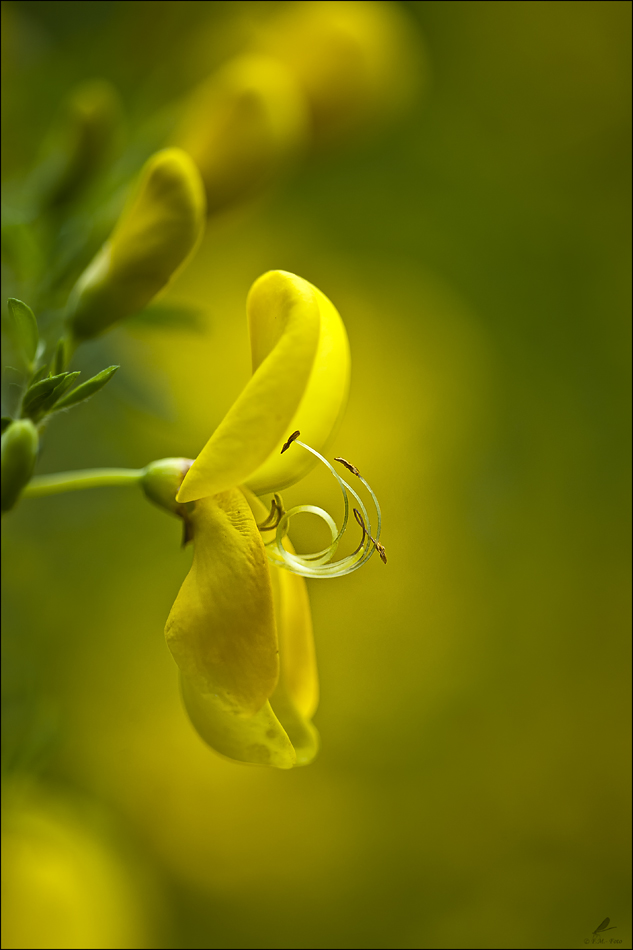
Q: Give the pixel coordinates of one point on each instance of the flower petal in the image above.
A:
(284, 324)
(257, 739)
(297, 693)
(320, 410)
(221, 629)
(298, 669)
(300, 381)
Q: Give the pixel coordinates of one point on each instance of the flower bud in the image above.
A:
(156, 233)
(242, 126)
(161, 482)
(18, 455)
(357, 62)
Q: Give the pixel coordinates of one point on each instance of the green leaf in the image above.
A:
(59, 360)
(24, 326)
(87, 389)
(58, 392)
(6, 422)
(38, 374)
(37, 394)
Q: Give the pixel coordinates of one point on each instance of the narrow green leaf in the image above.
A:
(87, 389)
(39, 374)
(58, 392)
(59, 360)
(24, 326)
(6, 422)
(38, 393)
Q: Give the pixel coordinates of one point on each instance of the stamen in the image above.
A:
(320, 564)
(377, 544)
(275, 515)
(348, 465)
(291, 439)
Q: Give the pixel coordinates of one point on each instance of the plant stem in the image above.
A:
(77, 481)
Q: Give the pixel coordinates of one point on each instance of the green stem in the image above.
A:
(77, 481)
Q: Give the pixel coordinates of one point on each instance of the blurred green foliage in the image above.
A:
(474, 780)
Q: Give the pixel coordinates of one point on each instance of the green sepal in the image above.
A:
(87, 389)
(37, 394)
(24, 328)
(18, 455)
(6, 422)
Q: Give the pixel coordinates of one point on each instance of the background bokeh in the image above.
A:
(473, 784)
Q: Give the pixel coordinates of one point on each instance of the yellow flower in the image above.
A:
(156, 234)
(240, 629)
(242, 126)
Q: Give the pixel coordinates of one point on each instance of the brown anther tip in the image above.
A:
(295, 435)
(348, 465)
(381, 551)
(359, 518)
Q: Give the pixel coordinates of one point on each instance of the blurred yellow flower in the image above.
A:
(64, 881)
(356, 61)
(240, 629)
(242, 126)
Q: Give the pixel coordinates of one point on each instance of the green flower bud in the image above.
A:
(156, 233)
(18, 455)
(161, 482)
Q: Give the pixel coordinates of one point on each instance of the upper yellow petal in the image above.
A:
(284, 324)
(300, 381)
(321, 408)
(221, 629)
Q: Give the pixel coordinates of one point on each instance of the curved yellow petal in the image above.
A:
(320, 410)
(221, 629)
(297, 658)
(301, 369)
(155, 235)
(297, 693)
(284, 321)
(257, 739)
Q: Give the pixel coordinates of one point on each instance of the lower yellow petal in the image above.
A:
(221, 629)
(296, 696)
(298, 669)
(258, 739)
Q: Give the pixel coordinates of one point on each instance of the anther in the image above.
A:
(379, 547)
(295, 435)
(348, 465)
(275, 515)
(381, 551)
